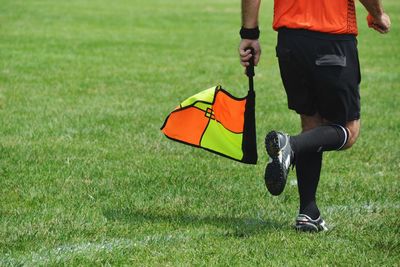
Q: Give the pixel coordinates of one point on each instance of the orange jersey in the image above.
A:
(329, 16)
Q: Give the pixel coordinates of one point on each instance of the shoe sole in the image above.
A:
(272, 144)
(306, 228)
(274, 173)
(309, 227)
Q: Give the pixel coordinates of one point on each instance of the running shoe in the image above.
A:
(281, 157)
(305, 224)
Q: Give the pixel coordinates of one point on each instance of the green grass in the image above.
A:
(87, 178)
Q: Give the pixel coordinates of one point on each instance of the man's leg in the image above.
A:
(308, 165)
(283, 148)
(308, 169)
(326, 137)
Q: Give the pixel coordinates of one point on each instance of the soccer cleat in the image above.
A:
(281, 157)
(305, 224)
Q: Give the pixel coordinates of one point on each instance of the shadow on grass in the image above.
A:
(233, 226)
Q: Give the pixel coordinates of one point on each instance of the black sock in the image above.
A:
(308, 169)
(321, 138)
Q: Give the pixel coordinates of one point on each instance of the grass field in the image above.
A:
(87, 178)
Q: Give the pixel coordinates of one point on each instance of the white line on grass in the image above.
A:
(366, 208)
(65, 252)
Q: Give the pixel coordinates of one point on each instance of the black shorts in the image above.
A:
(320, 73)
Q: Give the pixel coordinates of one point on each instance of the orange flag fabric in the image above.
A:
(216, 121)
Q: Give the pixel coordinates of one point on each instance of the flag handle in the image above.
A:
(249, 144)
(250, 69)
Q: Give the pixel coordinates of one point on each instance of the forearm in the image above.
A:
(250, 13)
(374, 7)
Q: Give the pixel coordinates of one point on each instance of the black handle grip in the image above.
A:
(250, 68)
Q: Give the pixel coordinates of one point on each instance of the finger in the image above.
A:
(375, 27)
(244, 64)
(243, 52)
(378, 28)
(384, 30)
(246, 58)
(384, 27)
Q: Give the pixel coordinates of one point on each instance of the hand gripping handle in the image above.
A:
(250, 68)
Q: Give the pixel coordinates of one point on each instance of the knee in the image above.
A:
(310, 122)
(353, 128)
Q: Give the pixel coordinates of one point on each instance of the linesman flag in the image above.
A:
(217, 121)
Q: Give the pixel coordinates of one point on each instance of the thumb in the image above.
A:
(257, 57)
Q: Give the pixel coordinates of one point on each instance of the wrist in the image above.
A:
(250, 33)
(377, 12)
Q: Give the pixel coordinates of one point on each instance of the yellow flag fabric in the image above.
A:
(216, 121)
